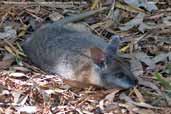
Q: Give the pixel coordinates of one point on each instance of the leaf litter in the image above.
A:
(145, 28)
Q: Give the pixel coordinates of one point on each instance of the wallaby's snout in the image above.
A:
(119, 80)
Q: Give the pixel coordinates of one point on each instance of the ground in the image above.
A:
(146, 32)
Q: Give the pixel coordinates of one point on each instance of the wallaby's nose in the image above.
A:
(129, 83)
(133, 83)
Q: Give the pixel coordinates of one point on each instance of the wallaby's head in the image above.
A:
(110, 69)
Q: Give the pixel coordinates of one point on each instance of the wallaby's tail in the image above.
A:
(81, 16)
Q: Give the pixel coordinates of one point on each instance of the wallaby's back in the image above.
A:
(54, 42)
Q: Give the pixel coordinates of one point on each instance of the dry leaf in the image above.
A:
(8, 33)
(150, 6)
(150, 85)
(7, 60)
(143, 57)
(141, 104)
(133, 23)
(27, 109)
(144, 111)
(139, 95)
(55, 16)
(17, 74)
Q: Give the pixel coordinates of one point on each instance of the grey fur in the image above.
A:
(59, 48)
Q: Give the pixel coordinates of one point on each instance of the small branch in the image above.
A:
(48, 4)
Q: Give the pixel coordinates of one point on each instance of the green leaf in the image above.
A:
(162, 81)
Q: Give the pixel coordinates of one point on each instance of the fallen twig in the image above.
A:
(48, 4)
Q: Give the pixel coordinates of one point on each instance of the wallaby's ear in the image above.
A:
(113, 46)
(97, 55)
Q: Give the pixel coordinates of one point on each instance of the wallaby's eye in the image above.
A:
(120, 75)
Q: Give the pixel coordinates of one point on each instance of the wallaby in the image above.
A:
(80, 57)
